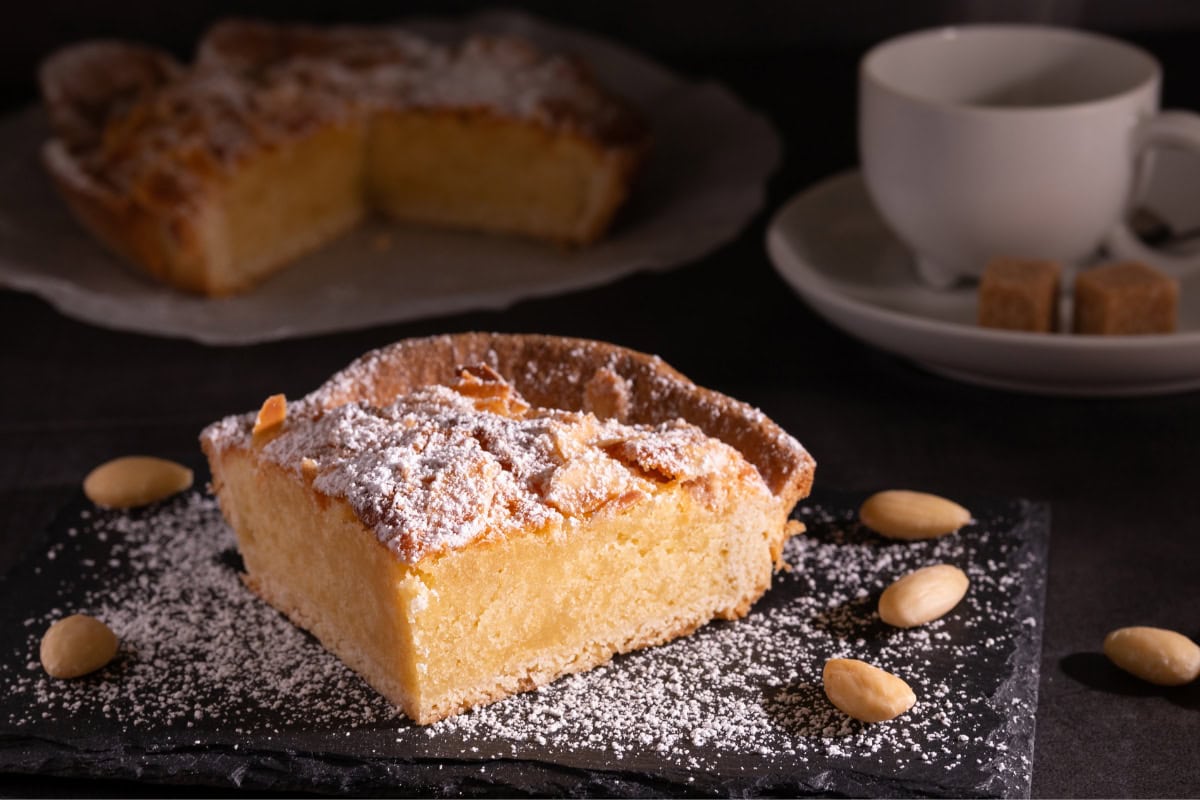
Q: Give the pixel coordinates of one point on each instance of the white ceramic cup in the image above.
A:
(1013, 140)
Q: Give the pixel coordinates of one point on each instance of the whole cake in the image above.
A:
(279, 138)
(464, 517)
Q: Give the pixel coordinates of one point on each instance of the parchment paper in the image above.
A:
(705, 179)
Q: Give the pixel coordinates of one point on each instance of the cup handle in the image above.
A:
(1176, 129)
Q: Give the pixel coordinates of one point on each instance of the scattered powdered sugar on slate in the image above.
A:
(195, 643)
(201, 654)
(754, 686)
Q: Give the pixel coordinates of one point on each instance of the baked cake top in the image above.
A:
(444, 466)
(138, 120)
(541, 429)
(395, 68)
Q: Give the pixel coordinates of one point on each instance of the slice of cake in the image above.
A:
(279, 138)
(465, 517)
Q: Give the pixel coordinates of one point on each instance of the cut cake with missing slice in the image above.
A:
(465, 517)
(279, 138)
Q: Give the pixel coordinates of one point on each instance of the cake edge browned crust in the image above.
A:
(553, 372)
(161, 243)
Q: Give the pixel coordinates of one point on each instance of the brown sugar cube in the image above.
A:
(1019, 294)
(1125, 298)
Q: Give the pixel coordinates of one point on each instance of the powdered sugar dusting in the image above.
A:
(736, 704)
(579, 374)
(393, 67)
(195, 644)
(442, 467)
(167, 131)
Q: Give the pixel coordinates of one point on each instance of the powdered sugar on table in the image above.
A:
(736, 705)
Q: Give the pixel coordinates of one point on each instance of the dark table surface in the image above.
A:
(1121, 475)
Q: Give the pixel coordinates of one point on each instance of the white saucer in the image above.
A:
(830, 245)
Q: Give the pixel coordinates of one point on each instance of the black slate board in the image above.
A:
(212, 688)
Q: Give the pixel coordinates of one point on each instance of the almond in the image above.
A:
(271, 415)
(902, 514)
(77, 645)
(1156, 655)
(923, 595)
(865, 692)
(131, 481)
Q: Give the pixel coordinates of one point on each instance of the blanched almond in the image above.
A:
(923, 595)
(77, 645)
(865, 692)
(1156, 655)
(902, 514)
(271, 415)
(131, 481)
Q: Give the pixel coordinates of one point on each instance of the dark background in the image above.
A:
(1121, 475)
